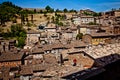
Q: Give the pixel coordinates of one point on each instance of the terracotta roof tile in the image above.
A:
(47, 47)
(39, 67)
(100, 34)
(75, 44)
(37, 51)
(50, 59)
(82, 59)
(58, 45)
(26, 70)
(11, 56)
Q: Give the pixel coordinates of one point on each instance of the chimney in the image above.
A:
(3, 46)
(60, 59)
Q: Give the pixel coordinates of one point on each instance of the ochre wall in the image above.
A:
(10, 64)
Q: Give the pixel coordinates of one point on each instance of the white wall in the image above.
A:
(67, 35)
(31, 38)
(87, 20)
(77, 21)
(37, 56)
(83, 30)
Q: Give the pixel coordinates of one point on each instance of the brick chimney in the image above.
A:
(60, 59)
(3, 46)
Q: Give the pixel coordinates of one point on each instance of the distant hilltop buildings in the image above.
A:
(90, 17)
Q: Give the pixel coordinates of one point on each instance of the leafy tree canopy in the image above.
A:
(79, 36)
(49, 9)
(17, 32)
(65, 10)
(8, 11)
(57, 10)
(72, 10)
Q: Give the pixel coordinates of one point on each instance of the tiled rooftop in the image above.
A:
(11, 56)
(105, 54)
(101, 51)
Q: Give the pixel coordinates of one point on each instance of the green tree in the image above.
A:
(97, 14)
(29, 24)
(60, 24)
(79, 36)
(57, 10)
(65, 10)
(52, 10)
(53, 19)
(21, 42)
(17, 32)
(32, 18)
(63, 17)
(24, 15)
(8, 11)
(72, 10)
(48, 8)
(87, 13)
(57, 20)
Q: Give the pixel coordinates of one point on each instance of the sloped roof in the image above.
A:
(101, 34)
(26, 70)
(76, 44)
(38, 67)
(37, 51)
(50, 59)
(57, 45)
(47, 47)
(11, 56)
